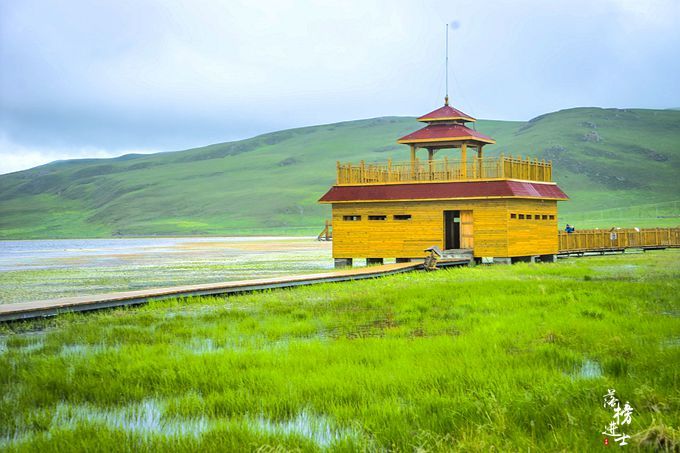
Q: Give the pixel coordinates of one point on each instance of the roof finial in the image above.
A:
(446, 100)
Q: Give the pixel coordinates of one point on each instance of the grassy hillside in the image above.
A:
(604, 159)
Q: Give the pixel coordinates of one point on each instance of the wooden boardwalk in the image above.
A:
(617, 240)
(51, 307)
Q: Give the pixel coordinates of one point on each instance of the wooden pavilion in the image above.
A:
(495, 208)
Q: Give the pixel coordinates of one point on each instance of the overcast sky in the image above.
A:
(89, 78)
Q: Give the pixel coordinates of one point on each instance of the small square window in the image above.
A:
(544, 217)
(528, 216)
(552, 217)
(402, 217)
(351, 218)
(377, 217)
(513, 216)
(521, 216)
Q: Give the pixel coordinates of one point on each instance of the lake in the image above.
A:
(45, 269)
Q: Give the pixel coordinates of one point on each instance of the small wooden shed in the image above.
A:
(500, 207)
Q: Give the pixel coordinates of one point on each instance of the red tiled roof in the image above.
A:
(443, 190)
(444, 132)
(446, 113)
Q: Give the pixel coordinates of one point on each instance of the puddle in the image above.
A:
(28, 348)
(672, 342)
(204, 346)
(671, 313)
(84, 349)
(144, 419)
(590, 369)
(317, 428)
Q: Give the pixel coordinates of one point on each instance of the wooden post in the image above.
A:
(413, 161)
(481, 162)
(501, 166)
(463, 161)
(389, 169)
(446, 168)
(527, 167)
(544, 171)
(536, 168)
(337, 177)
(362, 172)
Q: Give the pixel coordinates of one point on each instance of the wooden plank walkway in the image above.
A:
(617, 240)
(52, 307)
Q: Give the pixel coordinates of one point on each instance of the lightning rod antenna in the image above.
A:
(446, 98)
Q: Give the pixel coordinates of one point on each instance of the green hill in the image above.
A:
(620, 162)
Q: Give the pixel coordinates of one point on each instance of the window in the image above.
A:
(544, 217)
(528, 216)
(513, 216)
(521, 216)
(377, 217)
(351, 218)
(402, 217)
(552, 217)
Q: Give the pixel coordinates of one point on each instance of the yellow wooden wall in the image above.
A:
(532, 237)
(409, 238)
(495, 234)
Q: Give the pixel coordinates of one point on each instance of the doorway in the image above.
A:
(451, 230)
(458, 232)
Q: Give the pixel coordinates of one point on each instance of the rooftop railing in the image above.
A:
(444, 170)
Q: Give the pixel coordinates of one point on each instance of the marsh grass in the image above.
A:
(508, 358)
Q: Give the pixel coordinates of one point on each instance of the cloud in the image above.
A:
(16, 157)
(100, 75)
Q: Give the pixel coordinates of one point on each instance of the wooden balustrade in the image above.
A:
(503, 167)
(618, 239)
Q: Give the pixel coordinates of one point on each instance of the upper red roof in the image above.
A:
(444, 133)
(446, 113)
(444, 190)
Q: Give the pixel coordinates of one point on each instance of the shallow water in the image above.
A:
(44, 269)
(590, 369)
(149, 418)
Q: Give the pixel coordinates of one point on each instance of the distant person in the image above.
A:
(569, 228)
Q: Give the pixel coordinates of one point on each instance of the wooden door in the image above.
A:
(466, 232)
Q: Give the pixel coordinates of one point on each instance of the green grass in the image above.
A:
(502, 358)
(644, 216)
(271, 183)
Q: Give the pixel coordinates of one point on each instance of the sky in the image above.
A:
(92, 78)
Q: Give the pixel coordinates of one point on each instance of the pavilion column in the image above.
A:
(481, 164)
(430, 156)
(463, 161)
(413, 161)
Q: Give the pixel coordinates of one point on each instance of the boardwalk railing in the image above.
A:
(502, 167)
(618, 239)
